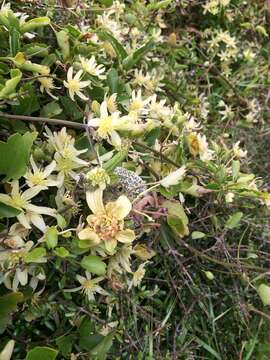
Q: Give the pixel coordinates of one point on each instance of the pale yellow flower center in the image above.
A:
(98, 177)
(65, 165)
(18, 202)
(136, 105)
(47, 83)
(74, 85)
(37, 178)
(16, 257)
(105, 127)
(88, 284)
(106, 227)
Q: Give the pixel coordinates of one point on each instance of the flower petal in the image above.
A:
(94, 201)
(94, 122)
(41, 210)
(88, 234)
(115, 139)
(49, 168)
(110, 245)
(38, 221)
(103, 110)
(119, 208)
(81, 95)
(23, 220)
(70, 73)
(30, 193)
(125, 236)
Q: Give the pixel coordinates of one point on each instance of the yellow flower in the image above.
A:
(74, 84)
(106, 224)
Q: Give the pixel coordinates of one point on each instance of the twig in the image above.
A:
(165, 158)
(44, 120)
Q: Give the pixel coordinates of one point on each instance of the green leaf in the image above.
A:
(52, 109)
(8, 304)
(118, 48)
(88, 339)
(36, 49)
(264, 293)
(35, 23)
(70, 109)
(28, 103)
(234, 220)
(134, 58)
(63, 42)
(177, 218)
(14, 41)
(94, 264)
(8, 211)
(42, 353)
(197, 235)
(235, 169)
(61, 252)
(156, 5)
(14, 155)
(113, 80)
(103, 347)
(10, 85)
(65, 344)
(35, 255)
(51, 237)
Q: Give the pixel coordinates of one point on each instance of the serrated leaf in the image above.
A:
(94, 264)
(42, 353)
(234, 220)
(14, 155)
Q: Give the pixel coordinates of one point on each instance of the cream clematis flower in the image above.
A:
(39, 177)
(109, 124)
(89, 286)
(91, 67)
(29, 213)
(106, 224)
(74, 84)
(46, 83)
(174, 177)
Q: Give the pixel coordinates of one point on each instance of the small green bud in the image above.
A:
(209, 275)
